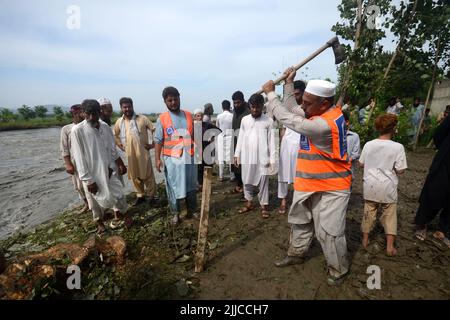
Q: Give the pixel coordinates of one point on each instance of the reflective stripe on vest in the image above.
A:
(174, 143)
(318, 170)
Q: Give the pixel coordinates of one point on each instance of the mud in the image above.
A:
(242, 248)
(243, 267)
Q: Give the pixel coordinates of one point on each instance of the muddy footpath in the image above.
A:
(154, 260)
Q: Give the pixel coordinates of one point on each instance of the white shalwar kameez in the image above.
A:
(95, 153)
(256, 151)
(224, 123)
(320, 213)
(288, 161)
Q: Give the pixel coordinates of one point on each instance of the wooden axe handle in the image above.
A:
(306, 60)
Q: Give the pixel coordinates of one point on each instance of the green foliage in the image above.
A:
(422, 37)
(59, 113)
(7, 115)
(26, 112)
(40, 111)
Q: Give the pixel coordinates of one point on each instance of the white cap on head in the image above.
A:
(198, 110)
(321, 88)
(103, 101)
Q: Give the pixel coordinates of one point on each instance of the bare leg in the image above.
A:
(390, 249)
(282, 209)
(86, 206)
(100, 227)
(365, 240)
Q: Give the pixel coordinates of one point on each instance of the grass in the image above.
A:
(35, 123)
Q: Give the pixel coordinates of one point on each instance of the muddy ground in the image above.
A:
(241, 252)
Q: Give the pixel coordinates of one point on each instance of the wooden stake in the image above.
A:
(204, 216)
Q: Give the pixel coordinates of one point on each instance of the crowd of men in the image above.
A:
(318, 155)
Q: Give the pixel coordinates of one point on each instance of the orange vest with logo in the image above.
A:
(174, 143)
(318, 170)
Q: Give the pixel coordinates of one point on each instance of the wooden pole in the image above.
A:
(203, 225)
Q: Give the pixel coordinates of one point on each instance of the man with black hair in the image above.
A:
(131, 134)
(240, 111)
(95, 154)
(225, 124)
(175, 144)
(255, 153)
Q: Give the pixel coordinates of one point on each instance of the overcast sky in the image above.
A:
(207, 49)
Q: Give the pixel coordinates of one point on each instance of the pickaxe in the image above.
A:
(339, 56)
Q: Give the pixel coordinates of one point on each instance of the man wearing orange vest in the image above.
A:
(175, 142)
(323, 173)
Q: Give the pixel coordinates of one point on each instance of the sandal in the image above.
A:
(265, 213)
(421, 234)
(114, 224)
(237, 190)
(245, 209)
(101, 230)
(282, 210)
(441, 236)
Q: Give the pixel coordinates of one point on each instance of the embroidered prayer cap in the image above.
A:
(198, 110)
(103, 101)
(321, 88)
(75, 108)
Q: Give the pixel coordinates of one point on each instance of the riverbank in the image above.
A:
(34, 124)
(241, 249)
(40, 123)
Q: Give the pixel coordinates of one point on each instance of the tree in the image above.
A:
(434, 28)
(26, 112)
(59, 113)
(359, 75)
(40, 111)
(6, 115)
(421, 54)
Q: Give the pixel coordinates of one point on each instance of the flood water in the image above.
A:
(34, 186)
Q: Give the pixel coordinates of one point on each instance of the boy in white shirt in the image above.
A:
(382, 160)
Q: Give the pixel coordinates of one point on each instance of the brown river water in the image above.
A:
(34, 186)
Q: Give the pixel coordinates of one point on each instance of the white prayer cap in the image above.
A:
(196, 111)
(321, 88)
(104, 101)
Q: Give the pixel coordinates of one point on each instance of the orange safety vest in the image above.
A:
(173, 142)
(318, 170)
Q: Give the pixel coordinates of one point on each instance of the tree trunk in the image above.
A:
(427, 101)
(355, 47)
(399, 45)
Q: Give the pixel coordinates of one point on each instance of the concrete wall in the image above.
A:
(441, 96)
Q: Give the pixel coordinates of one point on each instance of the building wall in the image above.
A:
(441, 96)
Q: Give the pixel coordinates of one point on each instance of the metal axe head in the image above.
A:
(338, 50)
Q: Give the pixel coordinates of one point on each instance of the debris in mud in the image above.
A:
(23, 279)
